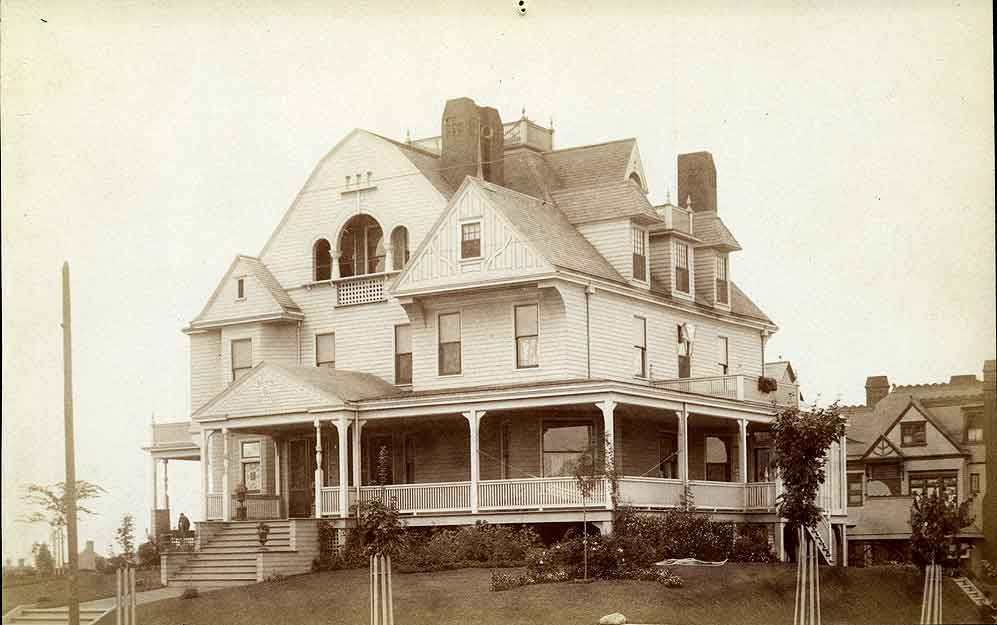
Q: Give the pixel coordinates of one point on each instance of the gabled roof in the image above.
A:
(276, 388)
(592, 165)
(882, 448)
(544, 227)
(284, 306)
(611, 200)
(778, 369)
(426, 162)
(741, 304)
(711, 231)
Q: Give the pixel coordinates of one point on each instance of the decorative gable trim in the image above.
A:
(268, 384)
(930, 418)
(883, 449)
(636, 166)
(277, 311)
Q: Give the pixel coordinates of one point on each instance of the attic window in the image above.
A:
(639, 254)
(913, 434)
(722, 286)
(470, 240)
(681, 267)
(240, 288)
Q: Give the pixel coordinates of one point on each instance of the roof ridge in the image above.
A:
(487, 184)
(590, 145)
(406, 146)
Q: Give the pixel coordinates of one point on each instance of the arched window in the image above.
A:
(322, 260)
(399, 248)
(361, 246)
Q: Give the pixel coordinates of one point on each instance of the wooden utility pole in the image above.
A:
(67, 381)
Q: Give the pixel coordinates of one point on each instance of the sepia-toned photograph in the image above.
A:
(498, 312)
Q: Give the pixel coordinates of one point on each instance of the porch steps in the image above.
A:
(51, 616)
(971, 590)
(821, 545)
(229, 557)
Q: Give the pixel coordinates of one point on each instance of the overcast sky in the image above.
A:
(148, 143)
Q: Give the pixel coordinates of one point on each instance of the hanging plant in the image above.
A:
(767, 385)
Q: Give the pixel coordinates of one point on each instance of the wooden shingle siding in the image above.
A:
(206, 379)
(403, 197)
(614, 241)
(704, 265)
(661, 262)
(503, 253)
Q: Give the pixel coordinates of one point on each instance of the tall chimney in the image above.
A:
(876, 388)
(989, 511)
(472, 142)
(697, 181)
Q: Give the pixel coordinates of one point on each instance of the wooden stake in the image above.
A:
(67, 393)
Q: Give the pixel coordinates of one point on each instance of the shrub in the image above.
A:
(148, 555)
(989, 570)
(675, 534)
(470, 546)
(752, 545)
(332, 556)
(505, 581)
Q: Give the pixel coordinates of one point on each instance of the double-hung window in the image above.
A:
(884, 479)
(325, 350)
(639, 254)
(527, 336)
(723, 356)
(722, 284)
(403, 354)
(250, 457)
(567, 445)
(640, 346)
(974, 428)
(913, 434)
(856, 481)
(470, 240)
(682, 266)
(449, 344)
(242, 357)
(240, 288)
(685, 361)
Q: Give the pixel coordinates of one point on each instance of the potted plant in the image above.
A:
(767, 385)
(240, 496)
(262, 532)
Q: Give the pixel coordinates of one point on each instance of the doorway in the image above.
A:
(301, 478)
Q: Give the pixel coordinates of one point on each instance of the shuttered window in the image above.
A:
(883, 479)
(722, 284)
(449, 344)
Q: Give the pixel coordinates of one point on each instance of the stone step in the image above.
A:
(213, 575)
(208, 584)
(218, 566)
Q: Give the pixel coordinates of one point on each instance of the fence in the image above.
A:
(124, 598)
(382, 609)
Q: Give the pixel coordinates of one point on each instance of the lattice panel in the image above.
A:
(363, 291)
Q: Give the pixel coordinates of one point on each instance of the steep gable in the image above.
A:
(505, 253)
(263, 297)
(937, 440)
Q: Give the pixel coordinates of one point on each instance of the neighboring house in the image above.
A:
(486, 309)
(88, 558)
(908, 440)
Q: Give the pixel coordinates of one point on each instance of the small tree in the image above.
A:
(935, 520)
(44, 563)
(51, 501)
(125, 537)
(587, 477)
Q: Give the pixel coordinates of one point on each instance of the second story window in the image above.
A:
(723, 355)
(322, 261)
(884, 479)
(722, 285)
(639, 254)
(681, 267)
(685, 361)
(640, 346)
(325, 350)
(403, 354)
(399, 248)
(449, 344)
(527, 336)
(913, 434)
(242, 357)
(974, 428)
(240, 288)
(470, 240)
(856, 482)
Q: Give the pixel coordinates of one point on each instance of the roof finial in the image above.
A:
(551, 124)
(524, 112)
(408, 137)
(668, 196)
(688, 202)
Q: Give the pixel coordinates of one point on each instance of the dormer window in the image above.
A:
(639, 254)
(723, 296)
(682, 266)
(240, 288)
(470, 240)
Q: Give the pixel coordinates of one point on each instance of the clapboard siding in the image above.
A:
(705, 265)
(216, 448)
(503, 252)
(613, 240)
(661, 262)
(206, 378)
(257, 300)
(403, 196)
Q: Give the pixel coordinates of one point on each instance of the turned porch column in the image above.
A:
(166, 484)
(155, 486)
(473, 421)
(608, 408)
(742, 446)
(334, 254)
(226, 487)
(344, 471)
(205, 453)
(357, 458)
(319, 474)
(388, 254)
(684, 447)
(276, 475)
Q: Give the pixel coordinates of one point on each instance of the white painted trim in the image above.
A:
(394, 354)
(460, 319)
(515, 345)
(460, 238)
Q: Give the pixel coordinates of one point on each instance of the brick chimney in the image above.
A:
(989, 511)
(697, 180)
(876, 388)
(472, 141)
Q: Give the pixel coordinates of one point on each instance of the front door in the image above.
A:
(301, 478)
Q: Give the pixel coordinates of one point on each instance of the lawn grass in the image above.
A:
(736, 593)
(55, 590)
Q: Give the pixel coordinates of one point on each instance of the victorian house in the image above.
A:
(482, 311)
(908, 440)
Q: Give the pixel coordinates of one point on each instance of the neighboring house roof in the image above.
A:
(281, 299)
(591, 165)
(611, 200)
(544, 227)
(711, 231)
(778, 369)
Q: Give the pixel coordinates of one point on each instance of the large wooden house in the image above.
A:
(483, 310)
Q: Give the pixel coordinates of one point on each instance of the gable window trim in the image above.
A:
(440, 345)
(521, 336)
(913, 433)
(240, 289)
(470, 238)
(400, 360)
(241, 368)
(640, 269)
(319, 360)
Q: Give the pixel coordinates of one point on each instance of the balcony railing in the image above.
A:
(537, 493)
(363, 289)
(421, 498)
(171, 434)
(736, 387)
